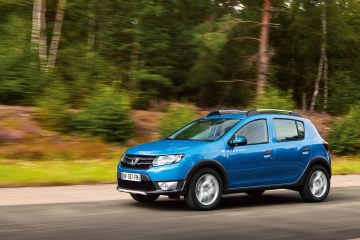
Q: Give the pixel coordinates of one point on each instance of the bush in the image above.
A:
(53, 109)
(176, 116)
(274, 99)
(345, 134)
(107, 114)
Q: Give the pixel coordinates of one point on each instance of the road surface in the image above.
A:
(276, 215)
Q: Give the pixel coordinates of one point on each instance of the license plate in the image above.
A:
(135, 177)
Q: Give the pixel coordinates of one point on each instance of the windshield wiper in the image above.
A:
(190, 139)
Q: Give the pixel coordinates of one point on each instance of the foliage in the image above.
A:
(82, 72)
(53, 109)
(209, 39)
(200, 50)
(20, 81)
(107, 114)
(275, 99)
(176, 116)
(345, 89)
(345, 134)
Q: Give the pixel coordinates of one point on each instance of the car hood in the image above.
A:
(163, 147)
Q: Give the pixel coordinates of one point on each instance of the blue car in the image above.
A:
(230, 151)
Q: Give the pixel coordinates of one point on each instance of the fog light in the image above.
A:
(167, 186)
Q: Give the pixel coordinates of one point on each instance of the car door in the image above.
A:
(292, 150)
(250, 165)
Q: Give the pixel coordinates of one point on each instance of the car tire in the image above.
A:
(316, 185)
(205, 190)
(255, 193)
(144, 198)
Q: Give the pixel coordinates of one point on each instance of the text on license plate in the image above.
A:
(131, 176)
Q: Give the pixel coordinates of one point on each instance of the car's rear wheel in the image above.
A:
(144, 198)
(205, 190)
(255, 193)
(317, 185)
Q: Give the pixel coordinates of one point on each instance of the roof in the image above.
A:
(233, 113)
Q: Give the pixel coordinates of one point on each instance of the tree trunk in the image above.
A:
(36, 24)
(43, 37)
(56, 34)
(323, 63)
(317, 82)
(263, 58)
(326, 82)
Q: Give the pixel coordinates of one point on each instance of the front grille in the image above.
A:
(140, 186)
(142, 162)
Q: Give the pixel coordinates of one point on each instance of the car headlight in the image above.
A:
(167, 159)
(122, 158)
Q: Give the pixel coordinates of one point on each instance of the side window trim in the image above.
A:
(267, 131)
(297, 129)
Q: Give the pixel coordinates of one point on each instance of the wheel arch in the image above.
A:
(218, 167)
(315, 161)
(322, 162)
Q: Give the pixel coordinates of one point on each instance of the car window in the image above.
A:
(255, 132)
(205, 129)
(301, 129)
(288, 130)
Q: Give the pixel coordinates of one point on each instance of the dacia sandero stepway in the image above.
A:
(230, 151)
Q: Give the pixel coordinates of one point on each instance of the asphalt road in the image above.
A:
(276, 215)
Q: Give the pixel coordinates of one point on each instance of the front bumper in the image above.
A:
(147, 187)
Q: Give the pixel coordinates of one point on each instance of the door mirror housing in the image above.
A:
(238, 141)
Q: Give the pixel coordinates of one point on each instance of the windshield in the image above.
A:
(205, 129)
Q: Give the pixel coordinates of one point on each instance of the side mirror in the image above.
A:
(238, 141)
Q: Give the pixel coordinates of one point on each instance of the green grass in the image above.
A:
(37, 173)
(346, 165)
(29, 173)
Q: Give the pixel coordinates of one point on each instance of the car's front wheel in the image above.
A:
(144, 198)
(316, 186)
(205, 190)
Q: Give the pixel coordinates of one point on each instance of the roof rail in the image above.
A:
(230, 111)
(272, 111)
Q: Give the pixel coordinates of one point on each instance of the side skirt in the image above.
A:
(293, 186)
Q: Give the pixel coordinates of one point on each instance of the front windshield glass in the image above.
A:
(205, 129)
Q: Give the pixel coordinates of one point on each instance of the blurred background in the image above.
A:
(82, 80)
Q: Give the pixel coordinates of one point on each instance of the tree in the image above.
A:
(36, 24)
(39, 33)
(263, 58)
(56, 34)
(323, 63)
(197, 50)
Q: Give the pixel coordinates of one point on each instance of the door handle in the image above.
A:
(267, 154)
(305, 151)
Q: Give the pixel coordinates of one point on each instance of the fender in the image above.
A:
(316, 160)
(207, 163)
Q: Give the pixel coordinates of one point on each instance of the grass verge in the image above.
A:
(346, 165)
(66, 172)
(37, 173)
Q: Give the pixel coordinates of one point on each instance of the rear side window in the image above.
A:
(255, 132)
(288, 130)
(301, 129)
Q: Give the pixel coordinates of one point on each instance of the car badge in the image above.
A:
(134, 161)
